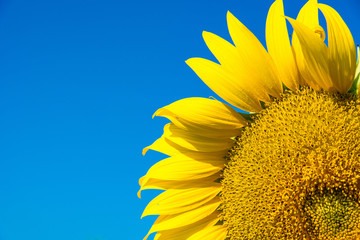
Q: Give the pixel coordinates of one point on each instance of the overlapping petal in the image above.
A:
(247, 73)
(187, 166)
(342, 52)
(233, 63)
(357, 72)
(189, 230)
(213, 122)
(217, 232)
(279, 47)
(176, 201)
(308, 16)
(315, 53)
(225, 85)
(153, 183)
(164, 146)
(204, 113)
(195, 142)
(330, 68)
(257, 65)
(168, 222)
(176, 140)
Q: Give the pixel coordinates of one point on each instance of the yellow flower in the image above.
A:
(290, 169)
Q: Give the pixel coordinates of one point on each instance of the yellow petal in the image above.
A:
(176, 140)
(204, 112)
(170, 184)
(357, 72)
(278, 44)
(225, 52)
(175, 201)
(342, 53)
(236, 65)
(192, 142)
(164, 146)
(189, 230)
(314, 53)
(257, 65)
(309, 16)
(224, 84)
(168, 222)
(217, 232)
(187, 167)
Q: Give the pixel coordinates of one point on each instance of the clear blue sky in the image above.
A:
(79, 82)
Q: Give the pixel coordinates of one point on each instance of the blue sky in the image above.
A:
(79, 82)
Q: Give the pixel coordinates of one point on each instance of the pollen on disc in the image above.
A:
(294, 173)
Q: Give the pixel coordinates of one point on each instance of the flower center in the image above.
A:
(294, 173)
(331, 214)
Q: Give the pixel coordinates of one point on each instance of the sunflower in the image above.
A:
(289, 168)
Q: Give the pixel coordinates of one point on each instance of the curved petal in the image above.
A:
(193, 142)
(189, 230)
(217, 232)
(236, 65)
(211, 116)
(342, 52)
(170, 184)
(355, 86)
(357, 71)
(168, 222)
(176, 140)
(257, 64)
(176, 201)
(164, 146)
(187, 167)
(279, 47)
(315, 54)
(309, 16)
(224, 84)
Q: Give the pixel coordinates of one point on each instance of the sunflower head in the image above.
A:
(287, 169)
(296, 170)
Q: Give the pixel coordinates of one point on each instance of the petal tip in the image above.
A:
(145, 150)
(205, 33)
(188, 62)
(229, 14)
(156, 113)
(192, 62)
